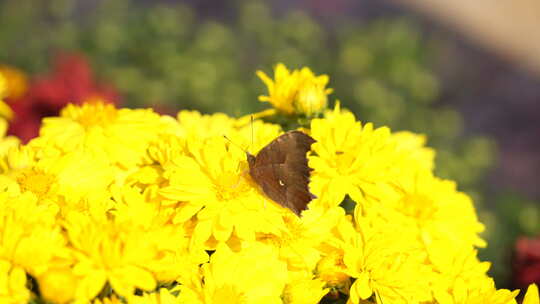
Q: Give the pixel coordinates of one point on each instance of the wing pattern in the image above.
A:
(281, 170)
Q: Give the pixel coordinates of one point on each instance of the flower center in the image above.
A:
(35, 181)
(97, 115)
(229, 185)
(344, 162)
(418, 206)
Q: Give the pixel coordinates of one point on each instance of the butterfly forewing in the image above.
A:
(281, 170)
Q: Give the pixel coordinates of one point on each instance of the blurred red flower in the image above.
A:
(527, 262)
(71, 81)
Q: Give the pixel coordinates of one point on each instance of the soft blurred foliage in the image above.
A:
(166, 56)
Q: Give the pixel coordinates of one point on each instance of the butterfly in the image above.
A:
(281, 170)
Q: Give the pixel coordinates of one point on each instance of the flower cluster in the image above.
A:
(114, 205)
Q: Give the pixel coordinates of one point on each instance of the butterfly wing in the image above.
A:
(281, 170)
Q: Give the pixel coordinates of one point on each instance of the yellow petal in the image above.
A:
(90, 286)
(362, 286)
(532, 297)
(267, 80)
(125, 279)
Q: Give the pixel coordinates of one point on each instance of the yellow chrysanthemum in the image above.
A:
(350, 159)
(431, 206)
(386, 265)
(458, 272)
(131, 246)
(296, 92)
(16, 81)
(106, 252)
(29, 236)
(74, 181)
(219, 192)
(176, 258)
(212, 183)
(119, 135)
(253, 275)
(298, 243)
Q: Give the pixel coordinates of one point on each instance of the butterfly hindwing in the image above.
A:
(281, 170)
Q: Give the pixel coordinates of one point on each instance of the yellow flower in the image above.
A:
(16, 81)
(432, 207)
(296, 92)
(532, 297)
(176, 257)
(350, 159)
(106, 252)
(119, 135)
(29, 236)
(75, 180)
(211, 182)
(298, 243)
(387, 265)
(12, 284)
(459, 275)
(129, 246)
(253, 275)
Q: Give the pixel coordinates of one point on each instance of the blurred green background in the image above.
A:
(386, 65)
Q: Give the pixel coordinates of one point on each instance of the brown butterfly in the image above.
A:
(281, 170)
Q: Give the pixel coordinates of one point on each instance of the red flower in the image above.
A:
(71, 81)
(527, 262)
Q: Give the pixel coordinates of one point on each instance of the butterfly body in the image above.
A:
(281, 170)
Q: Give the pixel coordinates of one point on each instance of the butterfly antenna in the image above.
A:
(379, 297)
(238, 146)
(235, 144)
